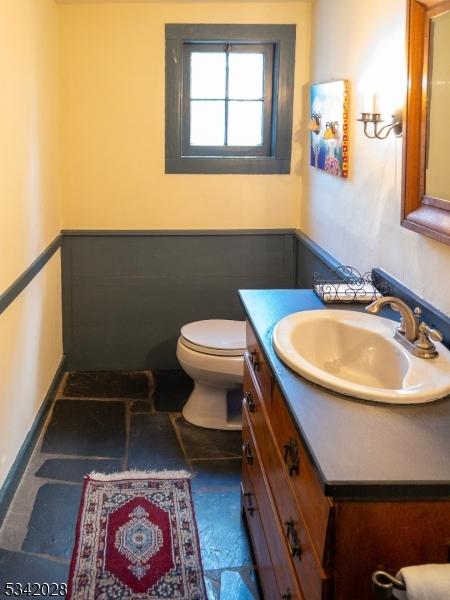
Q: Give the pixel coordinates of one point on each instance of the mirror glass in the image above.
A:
(437, 180)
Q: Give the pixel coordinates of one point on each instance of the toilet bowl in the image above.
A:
(212, 353)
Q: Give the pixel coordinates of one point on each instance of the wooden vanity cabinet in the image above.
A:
(308, 545)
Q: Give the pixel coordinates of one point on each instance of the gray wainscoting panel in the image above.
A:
(310, 259)
(125, 297)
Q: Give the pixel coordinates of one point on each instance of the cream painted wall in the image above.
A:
(113, 123)
(358, 221)
(29, 126)
(30, 328)
(30, 351)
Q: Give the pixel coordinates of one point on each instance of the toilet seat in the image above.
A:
(217, 337)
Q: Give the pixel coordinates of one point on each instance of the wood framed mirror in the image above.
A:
(426, 172)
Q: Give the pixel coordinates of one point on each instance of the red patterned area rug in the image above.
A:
(136, 538)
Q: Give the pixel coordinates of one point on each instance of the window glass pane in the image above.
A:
(245, 123)
(246, 75)
(207, 123)
(208, 74)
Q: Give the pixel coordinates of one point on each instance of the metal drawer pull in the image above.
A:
(292, 538)
(287, 595)
(255, 362)
(247, 451)
(250, 402)
(250, 508)
(291, 457)
(384, 584)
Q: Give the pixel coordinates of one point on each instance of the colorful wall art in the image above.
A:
(329, 127)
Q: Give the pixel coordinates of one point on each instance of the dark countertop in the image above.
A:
(361, 449)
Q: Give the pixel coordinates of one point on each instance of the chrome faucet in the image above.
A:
(413, 334)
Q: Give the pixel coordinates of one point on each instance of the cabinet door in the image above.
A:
(387, 535)
(285, 577)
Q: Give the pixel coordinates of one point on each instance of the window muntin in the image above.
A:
(227, 108)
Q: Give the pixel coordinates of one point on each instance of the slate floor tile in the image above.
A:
(153, 443)
(199, 442)
(172, 389)
(51, 529)
(87, 428)
(219, 475)
(97, 429)
(212, 584)
(107, 384)
(238, 585)
(141, 406)
(74, 469)
(223, 537)
(22, 568)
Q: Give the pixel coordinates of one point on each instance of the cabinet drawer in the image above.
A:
(317, 509)
(251, 511)
(313, 580)
(259, 365)
(252, 399)
(282, 567)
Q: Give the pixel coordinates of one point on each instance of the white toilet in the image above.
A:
(212, 353)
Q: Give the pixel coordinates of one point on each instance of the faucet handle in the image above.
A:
(426, 334)
(430, 332)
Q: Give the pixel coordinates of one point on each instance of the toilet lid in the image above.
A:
(221, 337)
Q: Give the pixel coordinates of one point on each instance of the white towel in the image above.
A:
(345, 292)
(425, 582)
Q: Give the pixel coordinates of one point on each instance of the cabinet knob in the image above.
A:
(255, 361)
(250, 508)
(250, 402)
(247, 451)
(291, 456)
(292, 538)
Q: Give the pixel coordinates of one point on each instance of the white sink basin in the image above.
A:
(355, 354)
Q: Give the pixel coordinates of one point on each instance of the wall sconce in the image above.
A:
(381, 133)
(314, 123)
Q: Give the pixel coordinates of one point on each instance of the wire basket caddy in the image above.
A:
(346, 284)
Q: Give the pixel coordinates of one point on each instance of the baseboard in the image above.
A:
(14, 476)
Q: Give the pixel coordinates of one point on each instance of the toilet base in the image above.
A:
(207, 407)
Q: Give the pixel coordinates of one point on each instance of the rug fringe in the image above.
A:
(134, 474)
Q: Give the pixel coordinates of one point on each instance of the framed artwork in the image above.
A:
(329, 127)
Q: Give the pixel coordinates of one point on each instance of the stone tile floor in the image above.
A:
(115, 421)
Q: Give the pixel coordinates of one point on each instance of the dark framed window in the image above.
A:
(229, 93)
(227, 99)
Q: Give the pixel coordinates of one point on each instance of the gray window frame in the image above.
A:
(277, 153)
